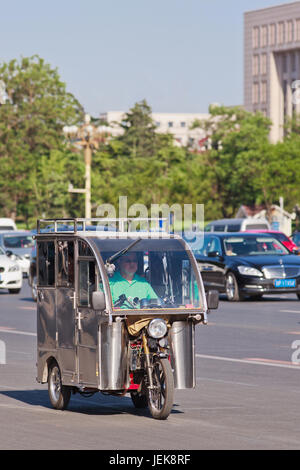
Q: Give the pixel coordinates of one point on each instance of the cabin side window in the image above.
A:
(87, 282)
(46, 264)
(65, 263)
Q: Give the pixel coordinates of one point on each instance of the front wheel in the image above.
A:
(232, 289)
(59, 394)
(161, 397)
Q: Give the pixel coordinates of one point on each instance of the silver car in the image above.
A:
(18, 246)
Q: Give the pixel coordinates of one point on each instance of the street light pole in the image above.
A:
(88, 163)
(86, 136)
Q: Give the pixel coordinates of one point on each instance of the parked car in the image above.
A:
(18, 246)
(246, 264)
(10, 274)
(284, 239)
(7, 224)
(237, 225)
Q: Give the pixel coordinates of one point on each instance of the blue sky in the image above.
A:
(180, 55)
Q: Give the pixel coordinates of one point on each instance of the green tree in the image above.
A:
(228, 173)
(31, 120)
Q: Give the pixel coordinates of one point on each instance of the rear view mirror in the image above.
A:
(212, 298)
(214, 254)
(98, 301)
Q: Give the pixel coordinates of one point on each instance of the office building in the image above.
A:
(177, 124)
(272, 64)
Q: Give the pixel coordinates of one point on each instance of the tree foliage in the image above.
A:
(37, 107)
(240, 165)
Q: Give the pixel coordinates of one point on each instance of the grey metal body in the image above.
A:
(183, 354)
(91, 347)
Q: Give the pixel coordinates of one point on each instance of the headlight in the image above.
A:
(157, 328)
(248, 271)
(14, 268)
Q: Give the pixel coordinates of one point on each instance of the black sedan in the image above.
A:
(245, 264)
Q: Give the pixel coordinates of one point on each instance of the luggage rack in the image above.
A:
(125, 225)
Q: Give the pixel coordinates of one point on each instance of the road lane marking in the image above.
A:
(27, 308)
(16, 332)
(259, 362)
(290, 311)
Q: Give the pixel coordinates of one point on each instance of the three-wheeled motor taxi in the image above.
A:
(116, 312)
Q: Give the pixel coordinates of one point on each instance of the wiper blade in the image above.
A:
(122, 252)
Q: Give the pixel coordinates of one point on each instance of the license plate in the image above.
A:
(285, 283)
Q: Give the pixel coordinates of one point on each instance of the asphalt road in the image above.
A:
(247, 395)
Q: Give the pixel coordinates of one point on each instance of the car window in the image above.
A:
(18, 241)
(296, 238)
(253, 246)
(219, 228)
(256, 227)
(233, 228)
(281, 237)
(211, 244)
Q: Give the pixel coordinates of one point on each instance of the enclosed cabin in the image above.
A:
(88, 313)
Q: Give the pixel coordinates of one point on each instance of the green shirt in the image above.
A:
(138, 287)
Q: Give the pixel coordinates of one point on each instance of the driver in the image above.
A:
(126, 282)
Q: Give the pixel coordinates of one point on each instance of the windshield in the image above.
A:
(152, 274)
(253, 246)
(18, 241)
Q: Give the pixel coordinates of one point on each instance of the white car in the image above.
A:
(7, 224)
(11, 276)
(18, 246)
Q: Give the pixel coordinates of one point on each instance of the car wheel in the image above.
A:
(232, 289)
(298, 295)
(14, 291)
(58, 393)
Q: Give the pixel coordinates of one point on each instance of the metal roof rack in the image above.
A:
(74, 225)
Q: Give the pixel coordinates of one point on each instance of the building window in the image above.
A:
(281, 32)
(263, 64)
(290, 31)
(272, 34)
(264, 92)
(264, 36)
(256, 37)
(284, 63)
(255, 64)
(293, 61)
(182, 124)
(297, 30)
(157, 123)
(170, 124)
(255, 93)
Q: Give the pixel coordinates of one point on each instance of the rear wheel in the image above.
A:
(232, 289)
(161, 397)
(59, 394)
